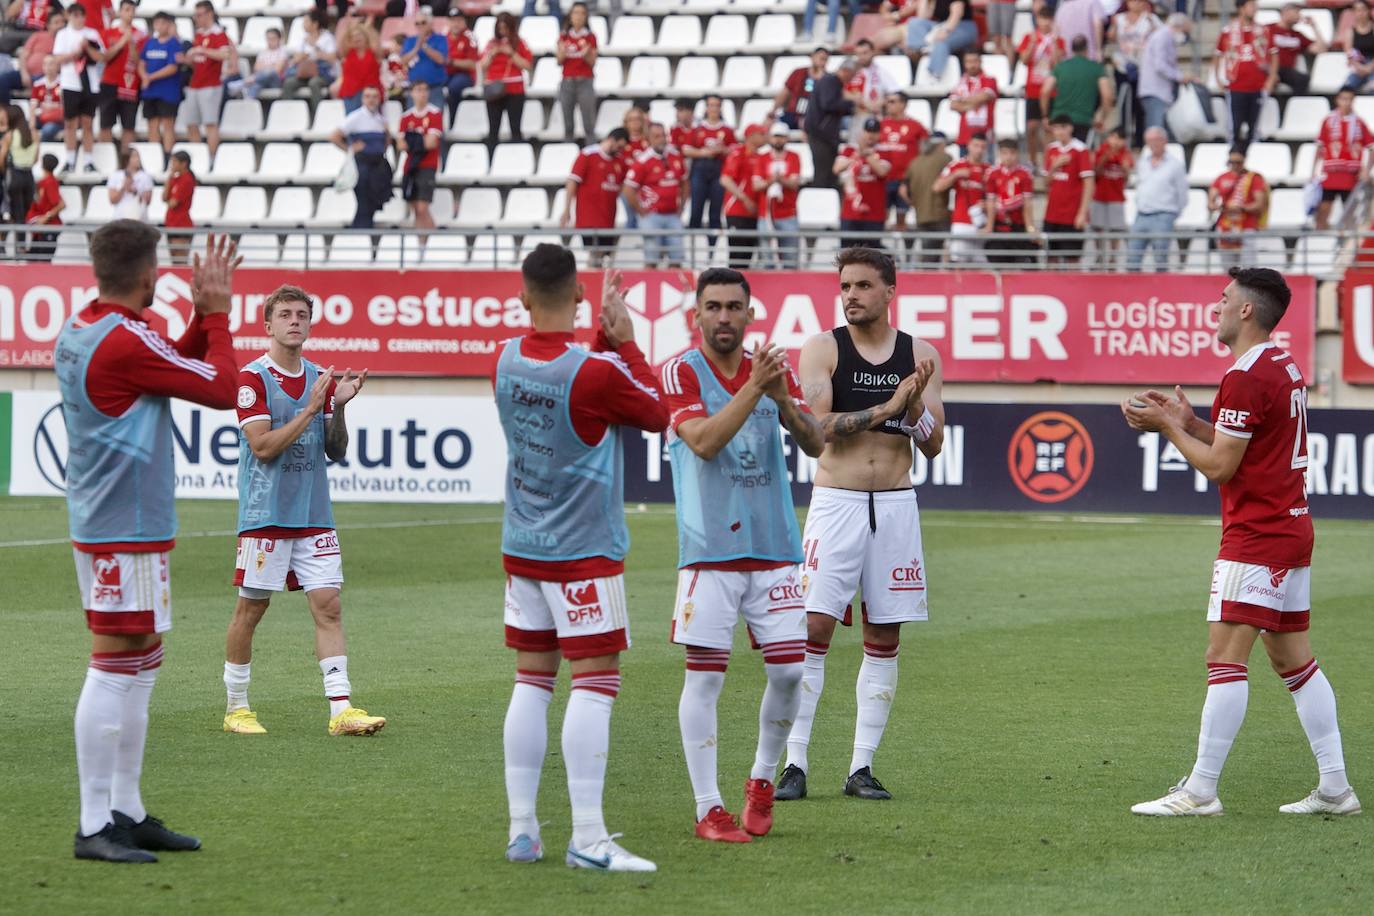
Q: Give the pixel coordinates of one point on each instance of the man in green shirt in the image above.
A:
(1081, 89)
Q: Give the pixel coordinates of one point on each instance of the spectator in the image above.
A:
(576, 51)
(869, 85)
(1081, 89)
(425, 55)
(395, 75)
(79, 50)
(598, 174)
(1069, 167)
(742, 200)
(130, 188)
(210, 49)
(827, 106)
(832, 19)
(1239, 199)
(1112, 163)
(635, 123)
(360, 65)
(1040, 52)
(789, 105)
(1001, 26)
(685, 125)
(158, 67)
(710, 143)
(1161, 193)
(967, 178)
(931, 206)
(975, 98)
(777, 178)
(1009, 187)
(462, 61)
(26, 18)
(1129, 31)
(45, 105)
(20, 149)
(1242, 69)
(364, 134)
(654, 186)
(422, 130)
(1160, 75)
(1359, 45)
(505, 61)
(36, 49)
(1081, 19)
(1342, 159)
(119, 81)
(44, 211)
(313, 58)
(899, 140)
(1287, 46)
(269, 70)
(178, 194)
(863, 178)
(531, 5)
(939, 27)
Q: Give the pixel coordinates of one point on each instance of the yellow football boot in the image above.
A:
(355, 721)
(243, 721)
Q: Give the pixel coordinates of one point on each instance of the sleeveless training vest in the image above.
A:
(857, 384)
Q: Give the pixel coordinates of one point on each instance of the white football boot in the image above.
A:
(606, 855)
(1316, 803)
(1179, 802)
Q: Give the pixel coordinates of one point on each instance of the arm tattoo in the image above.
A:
(336, 436)
(844, 425)
(804, 428)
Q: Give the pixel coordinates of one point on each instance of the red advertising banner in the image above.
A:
(1012, 327)
(1357, 326)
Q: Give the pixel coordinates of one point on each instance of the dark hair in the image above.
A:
(124, 3)
(979, 136)
(619, 133)
(722, 276)
(567, 17)
(862, 42)
(182, 156)
(1044, 13)
(1080, 44)
(122, 157)
(549, 273)
(1117, 132)
(163, 14)
(20, 123)
(1235, 151)
(276, 32)
(50, 162)
(1266, 291)
(207, 5)
(74, 8)
(713, 95)
(876, 258)
(684, 105)
(511, 22)
(283, 294)
(1008, 144)
(815, 51)
(1061, 119)
(315, 17)
(120, 250)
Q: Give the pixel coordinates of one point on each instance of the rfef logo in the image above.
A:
(1050, 457)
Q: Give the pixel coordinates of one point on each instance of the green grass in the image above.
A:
(1059, 680)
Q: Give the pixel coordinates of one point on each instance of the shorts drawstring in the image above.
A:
(872, 514)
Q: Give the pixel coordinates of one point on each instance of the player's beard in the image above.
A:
(860, 320)
(724, 344)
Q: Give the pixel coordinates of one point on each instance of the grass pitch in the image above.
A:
(1059, 681)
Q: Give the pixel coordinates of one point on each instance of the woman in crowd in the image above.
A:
(505, 61)
(577, 53)
(360, 65)
(312, 60)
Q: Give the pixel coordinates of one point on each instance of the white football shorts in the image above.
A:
(854, 539)
(1273, 598)
(711, 601)
(279, 564)
(125, 593)
(582, 619)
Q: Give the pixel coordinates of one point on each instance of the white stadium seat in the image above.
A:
(1316, 254)
(492, 251)
(1272, 160)
(242, 120)
(75, 204)
(291, 207)
(526, 207)
(773, 32)
(756, 111)
(726, 34)
(696, 76)
(1209, 161)
(1286, 210)
(466, 164)
(255, 33)
(301, 249)
(444, 250)
(350, 251)
(335, 208)
(648, 76)
(329, 117)
(543, 84)
(534, 239)
(555, 163)
(281, 163)
(478, 207)
(818, 208)
(398, 251)
(1305, 162)
(540, 33)
(205, 206)
(286, 120)
(1195, 214)
(743, 75)
(1009, 122)
(631, 36)
(897, 66)
(1302, 118)
(151, 155)
(511, 163)
(244, 206)
(471, 122)
(679, 35)
(782, 68)
(234, 162)
(323, 162)
(608, 75)
(947, 119)
(610, 115)
(1329, 71)
(72, 248)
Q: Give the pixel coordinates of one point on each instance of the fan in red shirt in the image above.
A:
(204, 94)
(577, 52)
(792, 100)
(654, 189)
(1255, 450)
(966, 177)
(1240, 200)
(1069, 168)
(421, 132)
(742, 200)
(777, 179)
(46, 100)
(597, 176)
(1287, 46)
(1112, 165)
(119, 82)
(975, 98)
(360, 65)
(1343, 144)
(462, 60)
(684, 128)
(45, 211)
(1009, 186)
(177, 194)
(1242, 67)
(899, 142)
(863, 175)
(1039, 52)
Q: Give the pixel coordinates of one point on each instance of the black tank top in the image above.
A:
(857, 384)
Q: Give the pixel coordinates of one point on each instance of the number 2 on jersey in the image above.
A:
(1297, 409)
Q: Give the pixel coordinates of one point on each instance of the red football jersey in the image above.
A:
(577, 45)
(968, 189)
(598, 178)
(1245, 60)
(1012, 187)
(502, 68)
(1287, 45)
(49, 194)
(1264, 517)
(207, 73)
(633, 149)
(1045, 52)
(49, 101)
(870, 203)
(121, 70)
(658, 180)
(1112, 168)
(183, 187)
(1341, 145)
(718, 138)
(770, 165)
(1237, 191)
(429, 121)
(1067, 165)
(680, 136)
(976, 120)
(461, 47)
(899, 142)
(739, 165)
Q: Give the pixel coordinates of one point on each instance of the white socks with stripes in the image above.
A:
(813, 682)
(111, 726)
(782, 662)
(1228, 694)
(1316, 703)
(586, 744)
(874, 691)
(696, 718)
(526, 739)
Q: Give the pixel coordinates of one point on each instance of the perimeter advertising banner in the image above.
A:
(1014, 327)
(1357, 326)
(1009, 457)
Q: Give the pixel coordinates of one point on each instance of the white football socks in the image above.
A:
(1228, 694)
(336, 687)
(586, 744)
(236, 684)
(874, 690)
(813, 682)
(526, 740)
(125, 796)
(99, 718)
(1316, 703)
(696, 718)
(777, 712)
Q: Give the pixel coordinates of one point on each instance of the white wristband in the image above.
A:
(923, 428)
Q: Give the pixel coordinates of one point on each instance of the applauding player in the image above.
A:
(1255, 449)
(564, 542)
(117, 377)
(291, 417)
(738, 542)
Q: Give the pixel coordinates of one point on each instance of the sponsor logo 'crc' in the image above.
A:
(791, 590)
(327, 540)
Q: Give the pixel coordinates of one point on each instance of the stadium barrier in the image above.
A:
(1007, 457)
(987, 326)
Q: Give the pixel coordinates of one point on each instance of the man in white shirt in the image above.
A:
(1161, 194)
(869, 85)
(80, 52)
(131, 188)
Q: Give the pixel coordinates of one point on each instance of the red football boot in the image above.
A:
(719, 825)
(758, 806)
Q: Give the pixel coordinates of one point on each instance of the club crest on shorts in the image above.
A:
(688, 610)
(261, 560)
(1277, 574)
